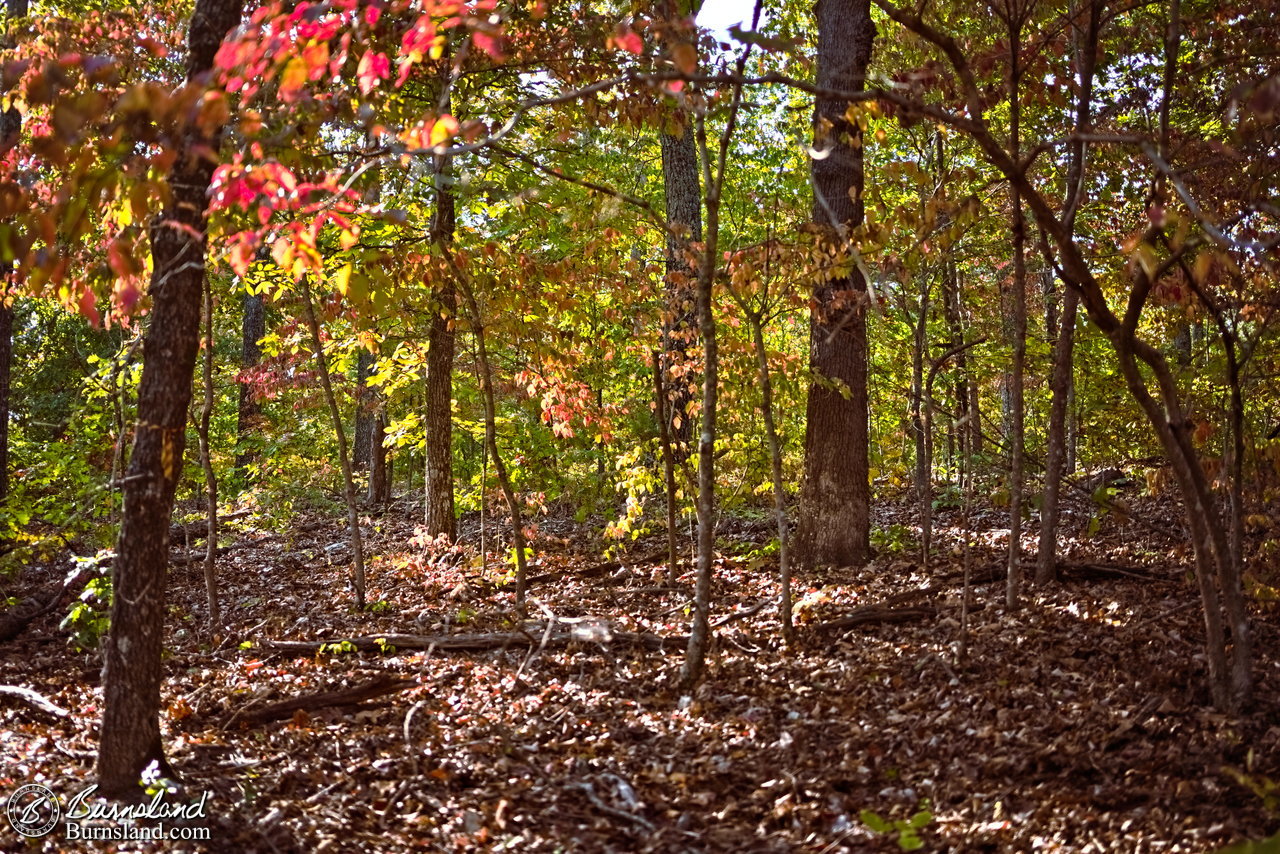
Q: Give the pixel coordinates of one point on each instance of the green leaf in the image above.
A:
(875, 822)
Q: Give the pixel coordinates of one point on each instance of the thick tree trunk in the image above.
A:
(439, 517)
(253, 328)
(130, 734)
(684, 214)
(834, 526)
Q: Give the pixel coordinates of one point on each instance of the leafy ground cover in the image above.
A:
(1079, 723)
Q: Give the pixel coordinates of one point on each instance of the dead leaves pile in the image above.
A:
(1078, 723)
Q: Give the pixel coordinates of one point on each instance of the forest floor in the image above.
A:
(1077, 723)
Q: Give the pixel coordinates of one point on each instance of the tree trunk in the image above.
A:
(130, 733)
(713, 179)
(835, 497)
(1086, 43)
(366, 412)
(668, 461)
(379, 469)
(775, 470)
(206, 463)
(1018, 330)
(684, 214)
(253, 328)
(440, 518)
(10, 125)
(491, 440)
(344, 455)
(919, 430)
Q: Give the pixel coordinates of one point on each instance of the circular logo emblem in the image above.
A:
(33, 810)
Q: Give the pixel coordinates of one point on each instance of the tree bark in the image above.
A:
(834, 525)
(130, 733)
(440, 518)
(684, 214)
(366, 412)
(379, 468)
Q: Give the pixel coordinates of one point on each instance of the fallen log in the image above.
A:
(877, 615)
(354, 696)
(480, 641)
(15, 621)
(35, 700)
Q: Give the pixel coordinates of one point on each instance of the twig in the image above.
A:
(611, 811)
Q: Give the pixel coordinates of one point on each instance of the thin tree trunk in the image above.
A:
(253, 328)
(923, 454)
(775, 469)
(130, 732)
(10, 125)
(713, 175)
(834, 523)
(951, 308)
(491, 440)
(1062, 383)
(668, 461)
(1019, 331)
(344, 456)
(206, 463)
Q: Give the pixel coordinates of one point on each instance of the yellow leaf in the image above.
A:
(294, 77)
(443, 130)
(343, 280)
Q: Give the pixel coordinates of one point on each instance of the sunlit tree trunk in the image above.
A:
(834, 521)
(130, 733)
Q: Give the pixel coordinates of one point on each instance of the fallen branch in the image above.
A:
(16, 620)
(33, 699)
(877, 615)
(480, 641)
(355, 696)
(592, 571)
(1099, 571)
